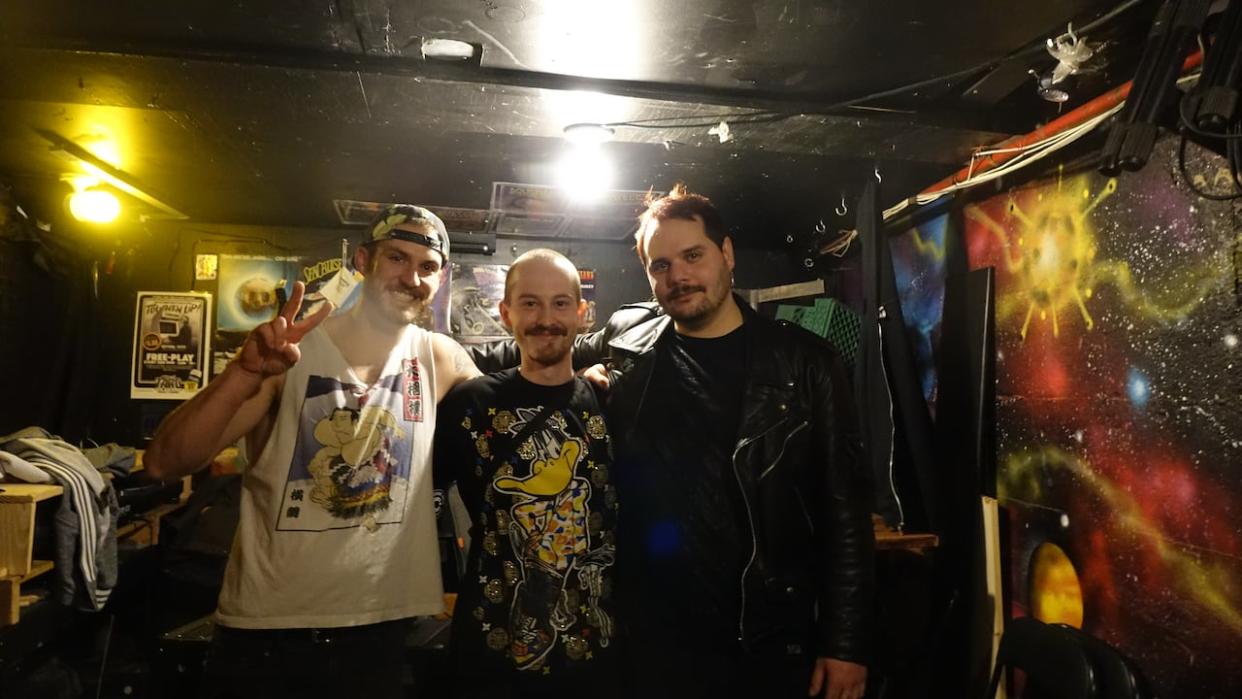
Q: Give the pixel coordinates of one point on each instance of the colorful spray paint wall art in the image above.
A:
(1119, 382)
(919, 270)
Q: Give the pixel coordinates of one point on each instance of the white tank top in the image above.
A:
(337, 524)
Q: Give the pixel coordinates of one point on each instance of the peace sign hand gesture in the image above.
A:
(272, 348)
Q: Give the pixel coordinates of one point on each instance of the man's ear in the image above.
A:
(726, 248)
(362, 260)
(582, 310)
(504, 316)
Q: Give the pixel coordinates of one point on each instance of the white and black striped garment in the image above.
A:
(86, 522)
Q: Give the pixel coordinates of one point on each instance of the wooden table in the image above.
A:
(17, 522)
(889, 540)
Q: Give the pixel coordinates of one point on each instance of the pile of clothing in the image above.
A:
(86, 564)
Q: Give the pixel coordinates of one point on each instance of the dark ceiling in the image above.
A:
(265, 112)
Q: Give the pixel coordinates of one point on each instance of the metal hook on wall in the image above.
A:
(877, 175)
(820, 227)
(842, 209)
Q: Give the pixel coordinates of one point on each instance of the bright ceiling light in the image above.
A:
(575, 107)
(94, 206)
(102, 147)
(448, 49)
(588, 134)
(585, 173)
(99, 170)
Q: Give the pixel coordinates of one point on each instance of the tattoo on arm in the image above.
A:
(462, 364)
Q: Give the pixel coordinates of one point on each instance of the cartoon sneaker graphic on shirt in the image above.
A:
(549, 533)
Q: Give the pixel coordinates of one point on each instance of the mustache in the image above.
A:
(679, 291)
(418, 293)
(547, 330)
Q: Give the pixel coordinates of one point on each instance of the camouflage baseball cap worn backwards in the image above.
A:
(385, 227)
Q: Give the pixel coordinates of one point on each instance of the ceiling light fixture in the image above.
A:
(1046, 88)
(588, 134)
(584, 173)
(94, 206)
(449, 50)
(100, 168)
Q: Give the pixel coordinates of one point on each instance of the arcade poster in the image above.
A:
(171, 345)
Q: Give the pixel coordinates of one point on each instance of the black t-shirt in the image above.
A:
(681, 496)
(537, 595)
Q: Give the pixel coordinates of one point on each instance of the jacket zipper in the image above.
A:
(789, 436)
(750, 518)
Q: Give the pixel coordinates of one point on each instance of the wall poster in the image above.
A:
(171, 345)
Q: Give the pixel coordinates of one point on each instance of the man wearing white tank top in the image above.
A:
(336, 542)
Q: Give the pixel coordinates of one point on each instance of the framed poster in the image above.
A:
(476, 295)
(586, 277)
(172, 344)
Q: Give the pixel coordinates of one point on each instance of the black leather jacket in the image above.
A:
(799, 465)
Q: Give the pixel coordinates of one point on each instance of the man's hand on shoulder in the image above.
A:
(597, 375)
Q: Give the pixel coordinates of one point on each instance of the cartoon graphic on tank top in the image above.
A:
(351, 463)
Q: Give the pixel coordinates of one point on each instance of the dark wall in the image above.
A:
(47, 332)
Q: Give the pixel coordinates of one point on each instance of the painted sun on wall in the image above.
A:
(1047, 242)
(1120, 412)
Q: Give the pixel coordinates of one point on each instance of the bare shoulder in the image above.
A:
(453, 364)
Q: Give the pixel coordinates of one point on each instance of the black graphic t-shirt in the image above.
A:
(532, 465)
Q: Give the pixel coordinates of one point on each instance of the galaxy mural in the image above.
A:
(919, 269)
(1120, 411)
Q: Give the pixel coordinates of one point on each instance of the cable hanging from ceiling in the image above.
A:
(772, 116)
(1016, 153)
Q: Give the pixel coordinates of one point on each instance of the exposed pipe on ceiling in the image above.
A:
(1013, 145)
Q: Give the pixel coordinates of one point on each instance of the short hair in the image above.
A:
(682, 204)
(547, 255)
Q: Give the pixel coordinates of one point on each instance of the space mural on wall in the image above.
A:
(1119, 388)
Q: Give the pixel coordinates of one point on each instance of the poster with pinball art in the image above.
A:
(171, 345)
(475, 307)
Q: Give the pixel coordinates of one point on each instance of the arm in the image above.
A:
(445, 450)
(848, 569)
(589, 348)
(497, 355)
(238, 402)
(227, 409)
(453, 364)
(592, 348)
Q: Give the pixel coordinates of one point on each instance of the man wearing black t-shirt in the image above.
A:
(530, 452)
(745, 550)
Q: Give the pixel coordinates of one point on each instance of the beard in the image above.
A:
(705, 301)
(406, 306)
(546, 345)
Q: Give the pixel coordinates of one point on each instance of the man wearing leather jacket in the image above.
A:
(744, 541)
